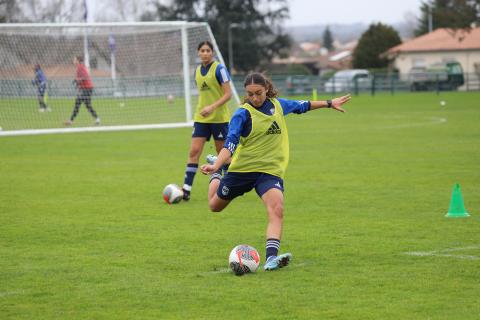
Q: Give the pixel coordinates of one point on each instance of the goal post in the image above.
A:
(142, 74)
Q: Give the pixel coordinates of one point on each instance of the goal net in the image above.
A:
(142, 75)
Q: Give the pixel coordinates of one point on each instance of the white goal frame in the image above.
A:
(180, 25)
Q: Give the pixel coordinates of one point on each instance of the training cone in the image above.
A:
(457, 209)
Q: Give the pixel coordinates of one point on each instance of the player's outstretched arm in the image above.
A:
(335, 103)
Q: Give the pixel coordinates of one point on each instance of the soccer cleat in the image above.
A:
(68, 123)
(186, 195)
(97, 121)
(211, 158)
(278, 262)
(239, 269)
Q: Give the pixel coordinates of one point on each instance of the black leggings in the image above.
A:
(85, 96)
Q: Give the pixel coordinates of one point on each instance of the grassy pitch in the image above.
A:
(85, 234)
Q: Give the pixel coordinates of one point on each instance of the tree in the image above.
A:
(14, 11)
(454, 14)
(376, 40)
(327, 39)
(258, 36)
(9, 11)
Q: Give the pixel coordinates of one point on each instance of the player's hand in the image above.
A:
(208, 168)
(207, 111)
(338, 102)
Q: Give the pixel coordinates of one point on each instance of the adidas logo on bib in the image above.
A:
(274, 129)
(204, 86)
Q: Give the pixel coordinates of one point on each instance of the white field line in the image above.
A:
(446, 253)
(427, 122)
(11, 293)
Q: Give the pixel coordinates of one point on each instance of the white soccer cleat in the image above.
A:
(211, 159)
(97, 121)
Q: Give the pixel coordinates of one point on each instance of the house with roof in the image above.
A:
(440, 45)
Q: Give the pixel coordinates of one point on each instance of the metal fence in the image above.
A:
(104, 87)
(288, 85)
(378, 82)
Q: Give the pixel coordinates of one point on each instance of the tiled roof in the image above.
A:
(442, 39)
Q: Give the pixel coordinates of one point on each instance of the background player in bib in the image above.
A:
(257, 144)
(212, 114)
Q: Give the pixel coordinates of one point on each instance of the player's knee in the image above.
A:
(215, 207)
(195, 152)
(276, 211)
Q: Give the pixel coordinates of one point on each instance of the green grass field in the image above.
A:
(85, 234)
(20, 114)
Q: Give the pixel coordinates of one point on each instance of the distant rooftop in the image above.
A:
(442, 39)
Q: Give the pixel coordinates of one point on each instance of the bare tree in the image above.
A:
(9, 11)
(41, 11)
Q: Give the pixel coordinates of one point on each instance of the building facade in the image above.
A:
(441, 45)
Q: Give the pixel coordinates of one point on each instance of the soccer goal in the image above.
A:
(142, 75)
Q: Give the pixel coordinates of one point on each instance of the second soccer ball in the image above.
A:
(172, 194)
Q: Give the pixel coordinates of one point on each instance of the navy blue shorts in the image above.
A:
(219, 131)
(235, 184)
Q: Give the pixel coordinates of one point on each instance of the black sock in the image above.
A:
(215, 175)
(272, 247)
(190, 172)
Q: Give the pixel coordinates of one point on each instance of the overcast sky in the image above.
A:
(308, 12)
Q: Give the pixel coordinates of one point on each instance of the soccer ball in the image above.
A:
(170, 98)
(244, 259)
(172, 194)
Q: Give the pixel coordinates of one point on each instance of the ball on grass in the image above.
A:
(172, 194)
(243, 259)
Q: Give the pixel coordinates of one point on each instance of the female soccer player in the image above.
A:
(84, 84)
(212, 114)
(257, 143)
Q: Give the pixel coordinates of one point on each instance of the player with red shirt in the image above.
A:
(84, 91)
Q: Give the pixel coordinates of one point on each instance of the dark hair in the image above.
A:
(261, 79)
(37, 67)
(201, 44)
(79, 58)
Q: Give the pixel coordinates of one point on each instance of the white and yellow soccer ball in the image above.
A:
(172, 194)
(244, 259)
(170, 98)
